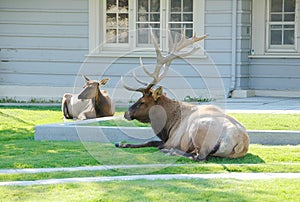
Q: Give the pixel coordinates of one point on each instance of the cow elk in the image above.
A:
(89, 103)
(193, 131)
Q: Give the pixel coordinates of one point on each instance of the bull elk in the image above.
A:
(89, 103)
(184, 129)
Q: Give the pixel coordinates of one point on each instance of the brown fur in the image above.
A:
(89, 103)
(190, 130)
(184, 129)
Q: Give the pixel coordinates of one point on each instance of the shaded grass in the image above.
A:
(160, 190)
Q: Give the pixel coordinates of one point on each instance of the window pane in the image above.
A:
(143, 34)
(276, 36)
(175, 5)
(175, 17)
(123, 36)
(123, 6)
(289, 27)
(276, 17)
(188, 17)
(154, 5)
(111, 20)
(111, 6)
(187, 5)
(155, 17)
(189, 25)
(289, 17)
(189, 33)
(276, 6)
(289, 5)
(142, 17)
(175, 25)
(142, 6)
(111, 35)
(123, 21)
(273, 27)
(289, 37)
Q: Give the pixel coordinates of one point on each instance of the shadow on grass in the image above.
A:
(33, 108)
(247, 159)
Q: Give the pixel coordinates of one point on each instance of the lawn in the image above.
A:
(19, 150)
(160, 190)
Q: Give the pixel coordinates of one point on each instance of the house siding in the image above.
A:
(43, 43)
(44, 47)
(275, 74)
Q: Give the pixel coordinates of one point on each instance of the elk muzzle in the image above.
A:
(128, 116)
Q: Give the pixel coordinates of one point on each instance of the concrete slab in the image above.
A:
(81, 131)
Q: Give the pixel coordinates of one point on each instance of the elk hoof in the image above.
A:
(121, 145)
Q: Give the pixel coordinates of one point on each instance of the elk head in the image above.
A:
(141, 110)
(91, 88)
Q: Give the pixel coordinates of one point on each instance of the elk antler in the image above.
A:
(165, 61)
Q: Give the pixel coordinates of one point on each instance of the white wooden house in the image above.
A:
(253, 46)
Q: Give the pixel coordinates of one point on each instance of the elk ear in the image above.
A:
(85, 78)
(103, 81)
(157, 93)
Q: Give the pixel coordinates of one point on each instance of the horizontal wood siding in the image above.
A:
(218, 20)
(275, 74)
(43, 43)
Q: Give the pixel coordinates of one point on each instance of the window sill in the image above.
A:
(276, 56)
(137, 54)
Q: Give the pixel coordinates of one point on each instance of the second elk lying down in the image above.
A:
(184, 129)
(89, 103)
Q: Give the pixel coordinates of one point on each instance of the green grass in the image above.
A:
(269, 121)
(19, 150)
(250, 121)
(160, 190)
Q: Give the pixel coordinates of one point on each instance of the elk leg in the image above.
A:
(147, 144)
(177, 152)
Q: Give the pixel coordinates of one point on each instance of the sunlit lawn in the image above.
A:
(19, 150)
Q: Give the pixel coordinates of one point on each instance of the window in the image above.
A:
(117, 21)
(148, 14)
(281, 24)
(117, 25)
(181, 14)
(275, 28)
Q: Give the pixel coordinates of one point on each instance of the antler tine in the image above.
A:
(171, 42)
(157, 49)
(130, 88)
(144, 68)
(138, 80)
(160, 61)
(184, 42)
(165, 61)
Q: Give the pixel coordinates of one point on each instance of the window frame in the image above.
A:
(97, 31)
(282, 47)
(260, 34)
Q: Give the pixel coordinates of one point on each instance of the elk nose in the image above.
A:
(127, 116)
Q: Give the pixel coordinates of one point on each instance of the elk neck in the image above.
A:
(172, 109)
(101, 104)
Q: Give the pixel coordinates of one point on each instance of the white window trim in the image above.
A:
(96, 35)
(260, 38)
